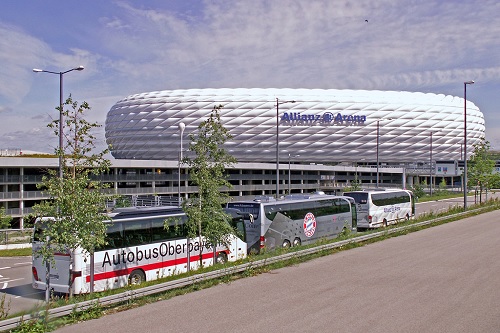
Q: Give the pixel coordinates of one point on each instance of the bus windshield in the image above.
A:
(359, 197)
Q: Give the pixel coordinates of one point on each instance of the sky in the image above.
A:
(130, 47)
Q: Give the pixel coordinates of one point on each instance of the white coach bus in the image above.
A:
(139, 249)
(295, 220)
(377, 208)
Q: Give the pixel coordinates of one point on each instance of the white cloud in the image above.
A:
(18, 52)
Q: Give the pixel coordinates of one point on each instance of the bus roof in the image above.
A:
(128, 212)
(378, 190)
(290, 199)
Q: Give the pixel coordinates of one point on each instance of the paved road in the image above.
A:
(443, 279)
(15, 283)
(443, 205)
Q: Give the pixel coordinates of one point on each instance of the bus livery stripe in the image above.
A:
(148, 267)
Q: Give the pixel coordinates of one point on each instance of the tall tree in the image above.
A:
(481, 167)
(77, 201)
(206, 217)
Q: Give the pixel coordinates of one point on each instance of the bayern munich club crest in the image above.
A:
(309, 224)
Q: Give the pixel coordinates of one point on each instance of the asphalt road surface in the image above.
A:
(442, 279)
(15, 284)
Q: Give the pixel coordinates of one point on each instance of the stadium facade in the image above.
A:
(315, 125)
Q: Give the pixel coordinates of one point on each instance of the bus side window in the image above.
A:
(271, 215)
(136, 233)
(115, 235)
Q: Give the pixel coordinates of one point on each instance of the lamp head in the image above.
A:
(469, 82)
(79, 68)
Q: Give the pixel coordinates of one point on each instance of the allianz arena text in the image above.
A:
(314, 125)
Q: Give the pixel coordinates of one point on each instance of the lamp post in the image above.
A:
(465, 142)
(278, 145)
(378, 134)
(289, 178)
(61, 154)
(430, 167)
(61, 125)
(378, 130)
(181, 126)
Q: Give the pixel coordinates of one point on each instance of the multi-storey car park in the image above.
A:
(325, 140)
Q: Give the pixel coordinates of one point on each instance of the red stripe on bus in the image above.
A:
(148, 267)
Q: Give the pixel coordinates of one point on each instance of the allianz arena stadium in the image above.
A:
(313, 125)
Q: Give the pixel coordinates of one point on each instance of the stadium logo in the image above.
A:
(327, 118)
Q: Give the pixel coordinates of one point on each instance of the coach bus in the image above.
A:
(139, 248)
(377, 208)
(295, 220)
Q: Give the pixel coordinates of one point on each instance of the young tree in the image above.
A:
(206, 217)
(4, 219)
(481, 166)
(418, 189)
(77, 201)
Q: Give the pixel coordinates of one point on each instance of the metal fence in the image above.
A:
(15, 236)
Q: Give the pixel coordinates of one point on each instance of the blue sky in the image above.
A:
(130, 47)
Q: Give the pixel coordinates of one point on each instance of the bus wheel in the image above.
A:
(136, 277)
(286, 244)
(221, 258)
(385, 223)
(297, 242)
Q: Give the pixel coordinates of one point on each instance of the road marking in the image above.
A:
(23, 263)
(1, 268)
(5, 283)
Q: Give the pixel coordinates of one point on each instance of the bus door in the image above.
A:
(412, 198)
(354, 212)
(252, 223)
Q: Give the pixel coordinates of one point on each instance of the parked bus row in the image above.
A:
(139, 247)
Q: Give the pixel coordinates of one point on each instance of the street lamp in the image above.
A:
(181, 126)
(378, 134)
(61, 154)
(289, 179)
(430, 167)
(278, 145)
(61, 143)
(465, 142)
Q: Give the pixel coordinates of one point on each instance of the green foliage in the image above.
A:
(4, 307)
(16, 252)
(443, 185)
(480, 168)
(31, 326)
(77, 200)
(4, 219)
(122, 201)
(346, 232)
(206, 216)
(442, 188)
(94, 311)
(418, 189)
(354, 186)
